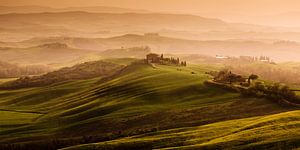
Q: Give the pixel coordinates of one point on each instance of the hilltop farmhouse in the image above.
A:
(153, 58)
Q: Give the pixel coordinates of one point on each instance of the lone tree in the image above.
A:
(252, 77)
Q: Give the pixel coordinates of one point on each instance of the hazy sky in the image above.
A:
(237, 6)
(262, 12)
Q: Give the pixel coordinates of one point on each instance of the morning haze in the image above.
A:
(263, 12)
(253, 6)
(149, 74)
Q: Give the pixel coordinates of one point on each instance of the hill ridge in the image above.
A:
(38, 9)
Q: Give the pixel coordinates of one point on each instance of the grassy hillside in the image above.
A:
(3, 80)
(41, 94)
(11, 119)
(139, 99)
(280, 131)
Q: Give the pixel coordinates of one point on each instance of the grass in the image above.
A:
(29, 99)
(140, 98)
(2, 80)
(252, 133)
(9, 119)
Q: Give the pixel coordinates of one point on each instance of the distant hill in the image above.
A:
(55, 52)
(8, 70)
(19, 26)
(133, 52)
(96, 21)
(277, 50)
(40, 9)
(281, 19)
(45, 53)
(78, 72)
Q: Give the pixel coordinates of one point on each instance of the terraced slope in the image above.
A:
(280, 131)
(141, 98)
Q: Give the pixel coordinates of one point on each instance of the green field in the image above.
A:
(281, 130)
(11, 119)
(139, 99)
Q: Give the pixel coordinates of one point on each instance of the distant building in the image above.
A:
(153, 58)
(222, 57)
(264, 59)
(248, 59)
(159, 59)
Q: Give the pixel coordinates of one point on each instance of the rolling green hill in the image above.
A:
(280, 131)
(139, 99)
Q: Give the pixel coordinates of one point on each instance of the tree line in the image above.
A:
(276, 92)
(247, 87)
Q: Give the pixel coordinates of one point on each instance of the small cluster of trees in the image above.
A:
(174, 61)
(277, 73)
(226, 76)
(275, 92)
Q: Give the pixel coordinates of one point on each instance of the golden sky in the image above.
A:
(236, 6)
(262, 12)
